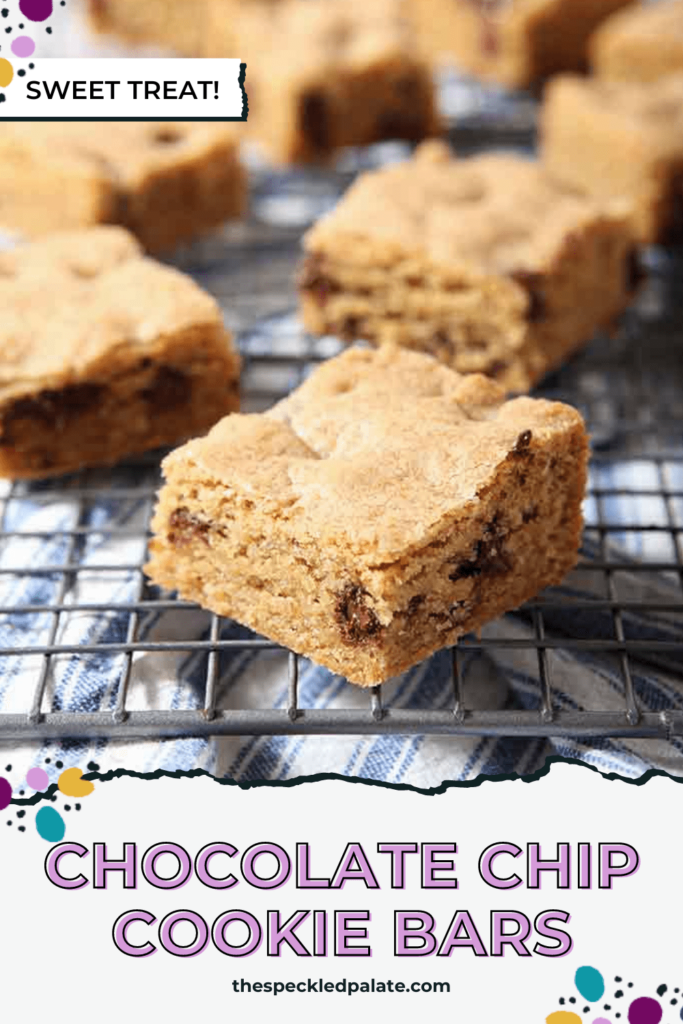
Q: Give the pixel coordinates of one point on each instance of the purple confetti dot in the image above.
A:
(23, 46)
(645, 1011)
(38, 779)
(5, 793)
(36, 10)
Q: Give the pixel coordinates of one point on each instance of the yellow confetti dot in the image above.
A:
(6, 72)
(563, 1017)
(71, 783)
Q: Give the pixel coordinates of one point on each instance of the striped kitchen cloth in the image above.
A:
(109, 537)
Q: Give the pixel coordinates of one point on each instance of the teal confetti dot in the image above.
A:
(50, 825)
(590, 983)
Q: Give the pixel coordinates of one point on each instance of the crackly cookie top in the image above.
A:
(120, 152)
(654, 108)
(378, 450)
(71, 300)
(495, 213)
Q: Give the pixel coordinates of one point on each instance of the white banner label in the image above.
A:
(120, 89)
(504, 903)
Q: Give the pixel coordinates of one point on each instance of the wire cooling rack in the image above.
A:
(629, 387)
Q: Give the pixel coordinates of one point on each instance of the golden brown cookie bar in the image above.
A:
(514, 42)
(176, 24)
(483, 262)
(104, 353)
(166, 182)
(623, 139)
(324, 74)
(641, 44)
(386, 508)
(196, 28)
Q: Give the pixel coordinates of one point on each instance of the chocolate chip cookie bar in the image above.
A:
(514, 42)
(641, 44)
(483, 262)
(166, 182)
(104, 353)
(324, 75)
(620, 139)
(381, 511)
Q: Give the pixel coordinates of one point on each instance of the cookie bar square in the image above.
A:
(384, 509)
(104, 353)
(514, 42)
(194, 28)
(324, 75)
(166, 182)
(167, 23)
(620, 139)
(483, 262)
(640, 44)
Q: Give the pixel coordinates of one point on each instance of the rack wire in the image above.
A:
(628, 386)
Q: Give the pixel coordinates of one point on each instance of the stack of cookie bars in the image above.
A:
(411, 489)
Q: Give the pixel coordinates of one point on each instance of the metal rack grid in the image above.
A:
(629, 387)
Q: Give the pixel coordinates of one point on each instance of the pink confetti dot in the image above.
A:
(38, 779)
(23, 46)
(601, 1020)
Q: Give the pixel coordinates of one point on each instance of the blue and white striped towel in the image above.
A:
(499, 678)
